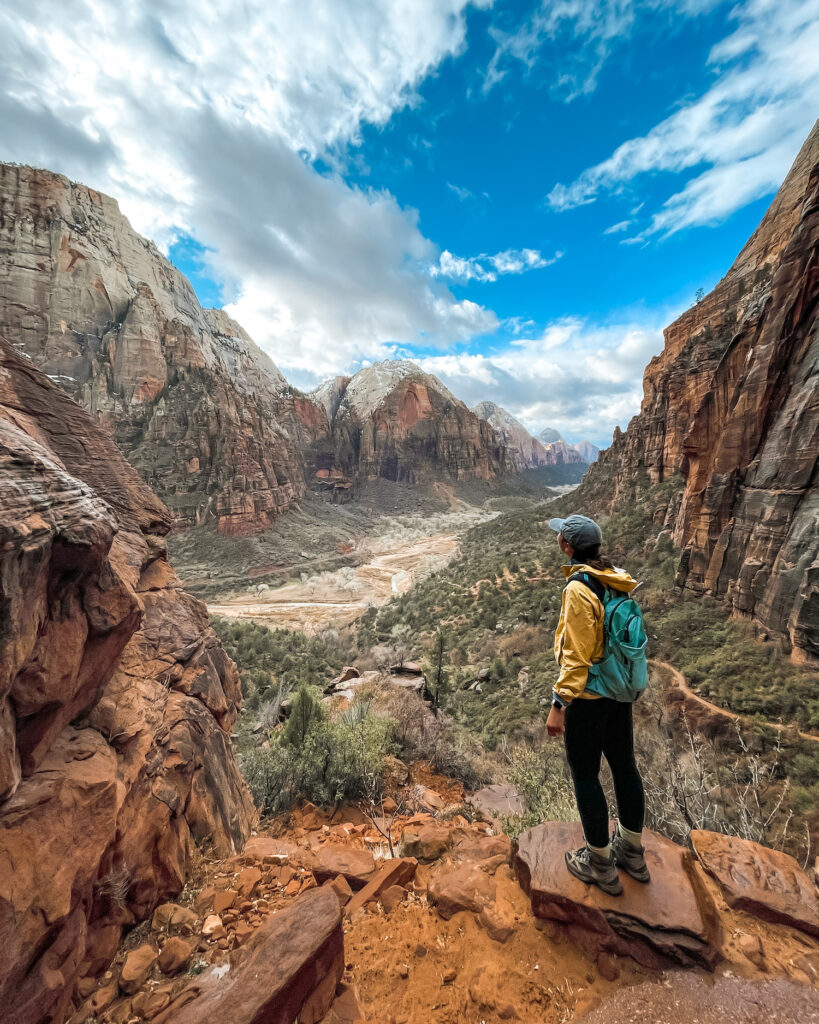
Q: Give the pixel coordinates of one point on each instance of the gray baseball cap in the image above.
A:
(579, 531)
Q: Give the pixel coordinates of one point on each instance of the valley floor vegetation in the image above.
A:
(484, 626)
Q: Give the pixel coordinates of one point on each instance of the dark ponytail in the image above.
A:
(592, 557)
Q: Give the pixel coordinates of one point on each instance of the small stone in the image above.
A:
(85, 986)
(403, 971)
(248, 880)
(170, 917)
(175, 954)
(147, 1004)
(449, 977)
(224, 900)
(420, 950)
(213, 927)
(103, 997)
(751, 947)
(204, 899)
(392, 898)
(342, 889)
(120, 1012)
(138, 965)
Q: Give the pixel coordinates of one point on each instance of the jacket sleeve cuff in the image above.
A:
(558, 702)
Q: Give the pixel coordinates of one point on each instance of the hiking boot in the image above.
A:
(593, 869)
(630, 858)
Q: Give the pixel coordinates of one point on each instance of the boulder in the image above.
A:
(137, 967)
(461, 887)
(654, 924)
(287, 970)
(332, 859)
(499, 801)
(766, 883)
(175, 954)
(427, 842)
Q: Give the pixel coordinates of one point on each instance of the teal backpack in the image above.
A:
(622, 674)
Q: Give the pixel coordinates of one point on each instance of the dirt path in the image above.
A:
(336, 599)
(681, 683)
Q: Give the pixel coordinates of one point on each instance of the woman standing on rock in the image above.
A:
(594, 724)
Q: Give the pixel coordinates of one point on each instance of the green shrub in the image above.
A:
(319, 760)
(541, 775)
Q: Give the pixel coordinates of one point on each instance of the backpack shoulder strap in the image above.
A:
(594, 585)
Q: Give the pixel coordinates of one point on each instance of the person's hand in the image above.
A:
(555, 723)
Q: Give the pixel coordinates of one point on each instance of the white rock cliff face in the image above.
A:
(527, 452)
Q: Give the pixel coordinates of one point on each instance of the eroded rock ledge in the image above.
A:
(116, 702)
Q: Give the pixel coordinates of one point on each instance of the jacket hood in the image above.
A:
(618, 579)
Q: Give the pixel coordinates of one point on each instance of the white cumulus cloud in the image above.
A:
(207, 120)
(744, 131)
(579, 377)
(488, 268)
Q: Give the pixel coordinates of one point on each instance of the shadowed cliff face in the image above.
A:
(195, 406)
(116, 702)
(733, 404)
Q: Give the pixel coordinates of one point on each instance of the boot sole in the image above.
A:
(609, 888)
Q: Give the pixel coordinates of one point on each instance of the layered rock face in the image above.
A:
(116, 702)
(195, 406)
(526, 452)
(732, 404)
(392, 420)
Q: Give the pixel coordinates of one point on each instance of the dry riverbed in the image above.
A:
(388, 563)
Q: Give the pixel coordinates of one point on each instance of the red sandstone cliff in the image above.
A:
(194, 405)
(395, 421)
(732, 404)
(116, 702)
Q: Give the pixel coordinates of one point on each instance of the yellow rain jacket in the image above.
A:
(579, 634)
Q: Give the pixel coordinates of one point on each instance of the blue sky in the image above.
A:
(518, 195)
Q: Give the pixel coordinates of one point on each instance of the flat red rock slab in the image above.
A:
(289, 969)
(428, 841)
(651, 923)
(763, 882)
(398, 871)
(482, 848)
(332, 859)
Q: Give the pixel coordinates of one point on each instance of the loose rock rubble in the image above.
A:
(449, 936)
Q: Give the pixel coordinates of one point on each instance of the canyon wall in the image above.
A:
(395, 421)
(116, 702)
(193, 404)
(732, 405)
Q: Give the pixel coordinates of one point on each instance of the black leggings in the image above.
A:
(595, 727)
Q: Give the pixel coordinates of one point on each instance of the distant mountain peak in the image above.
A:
(549, 435)
(527, 451)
